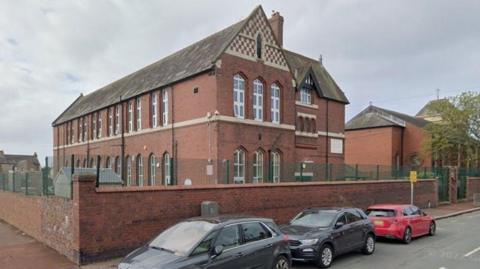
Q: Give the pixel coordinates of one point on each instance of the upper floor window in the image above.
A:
(154, 109)
(275, 103)
(80, 130)
(139, 113)
(117, 119)
(130, 116)
(257, 100)
(99, 131)
(305, 96)
(110, 112)
(72, 133)
(239, 96)
(259, 46)
(239, 166)
(164, 107)
(94, 127)
(85, 129)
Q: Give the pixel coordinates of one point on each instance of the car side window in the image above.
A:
(255, 231)
(342, 219)
(229, 237)
(407, 211)
(415, 210)
(353, 217)
(206, 244)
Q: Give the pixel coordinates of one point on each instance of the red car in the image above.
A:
(402, 222)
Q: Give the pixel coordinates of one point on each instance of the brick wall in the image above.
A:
(473, 187)
(113, 221)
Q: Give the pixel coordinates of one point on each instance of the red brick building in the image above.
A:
(377, 136)
(233, 107)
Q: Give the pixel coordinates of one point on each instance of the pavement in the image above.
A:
(458, 235)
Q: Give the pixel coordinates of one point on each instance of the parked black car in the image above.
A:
(228, 242)
(319, 234)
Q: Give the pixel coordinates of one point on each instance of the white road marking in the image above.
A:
(472, 252)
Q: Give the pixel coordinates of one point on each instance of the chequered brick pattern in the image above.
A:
(259, 24)
(244, 46)
(275, 56)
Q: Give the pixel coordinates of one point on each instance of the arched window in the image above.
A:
(129, 170)
(275, 167)
(258, 167)
(84, 163)
(166, 169)
(239, 96)
(108, 163)
(92, 163)
(239, 166)
(139, 168)
(259, 46)
(257, 100)
(118, 165)
(78, 163)
(275, 103)
(152, 163)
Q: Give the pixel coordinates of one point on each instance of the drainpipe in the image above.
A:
(326, 136)
(173, 159)
(122, 146)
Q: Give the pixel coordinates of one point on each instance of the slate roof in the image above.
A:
(15, 159)
(302, 65)
(427, 110)
(374, 117)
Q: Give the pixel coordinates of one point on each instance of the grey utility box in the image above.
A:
(209, 208)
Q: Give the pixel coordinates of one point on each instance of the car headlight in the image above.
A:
(309, 242)
(124, 266)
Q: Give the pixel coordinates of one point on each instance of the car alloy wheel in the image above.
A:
(326, 256)
(433, 229)
(407, 236)
(282, 263)
(369, 247)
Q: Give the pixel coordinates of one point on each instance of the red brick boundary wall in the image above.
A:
(473, 187)
(113, 221)
(109, 222)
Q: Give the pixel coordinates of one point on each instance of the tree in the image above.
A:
(455, 138)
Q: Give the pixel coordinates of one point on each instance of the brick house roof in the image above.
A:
(15, 159)
(373, 117)
(192, 60)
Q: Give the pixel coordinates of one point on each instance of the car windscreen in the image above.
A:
(182, 237)
(381, 213)
(321, 218)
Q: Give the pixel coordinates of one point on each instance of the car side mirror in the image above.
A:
(339, 225)
(216, 251)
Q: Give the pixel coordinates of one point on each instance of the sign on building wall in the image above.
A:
(336, 146)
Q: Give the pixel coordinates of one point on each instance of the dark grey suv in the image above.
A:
(218, 242)
(319, 234)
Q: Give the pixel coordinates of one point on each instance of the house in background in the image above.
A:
(427, 112)
(233, 107)
(11, 162)
(378, 136)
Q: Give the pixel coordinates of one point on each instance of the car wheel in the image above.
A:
(325, 257)
(281, 263)
(433, 229)
(369, 246)
(407, 235)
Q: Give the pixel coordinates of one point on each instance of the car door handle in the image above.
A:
(269, 245)
(239, 254)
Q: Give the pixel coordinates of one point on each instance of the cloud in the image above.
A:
(394, 53)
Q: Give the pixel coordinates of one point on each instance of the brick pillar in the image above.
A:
(452, 184)
(83, 192)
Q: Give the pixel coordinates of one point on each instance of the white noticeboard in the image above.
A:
(336, 146)
(209, 170)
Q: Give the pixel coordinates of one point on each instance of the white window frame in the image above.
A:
(239, 166)
(305, 96)
(153, 169)
(94, 127)
(276, 162)
(257, 100)
(275, 103)
(85, 129)
(118, 166)
(154, 110)
(110, 120)
(117, 119)
(138, 105)
(129, 171)
(164, 107)
(72, 133)
(258, 167)
(239, 96)
(139, 168)
(80, 130)
(130, 116)
(99, 124)
(166, 168)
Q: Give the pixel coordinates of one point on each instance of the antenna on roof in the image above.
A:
(320, 59)
(438, 93)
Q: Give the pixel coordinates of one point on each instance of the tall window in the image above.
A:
(257, 100)
(80, 130)
(259, 46)
(239, 96)
(275, 167)
(94, 127)
(164, 107)
(258, 167)
(117, 119)
(239, 166)
(129, 171)
(139, 113)
(305, 96)
(118, 165)
(130, 116)
(108, 163)
(99, 126)
(110, 120)
(275, 103)
(72, 133)
(166, 169)
(154, 110)
(139, 170)
(85, 129)
(152, 169)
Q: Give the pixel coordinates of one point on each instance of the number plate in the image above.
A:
(378, 222)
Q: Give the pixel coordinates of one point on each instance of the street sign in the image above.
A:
(413, 176)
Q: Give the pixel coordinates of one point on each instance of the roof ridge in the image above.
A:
(301, 55)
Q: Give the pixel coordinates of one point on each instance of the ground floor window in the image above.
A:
(129, 171)
(166, 169)
(239, 166)
(275, 167)
(139, 170)
(152, 169)
(258, 167)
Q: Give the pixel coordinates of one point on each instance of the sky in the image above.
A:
(393, 54)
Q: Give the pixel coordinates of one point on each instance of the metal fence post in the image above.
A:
(97, 182)
(356, 171)
(378, 172)
(26, 183)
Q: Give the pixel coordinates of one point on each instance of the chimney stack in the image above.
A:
(276, 21)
